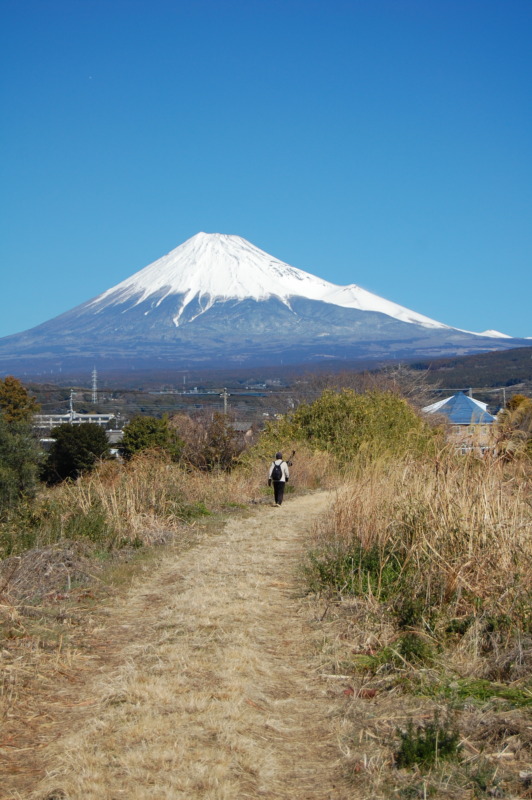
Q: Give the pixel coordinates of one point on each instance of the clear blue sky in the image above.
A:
(386, 143)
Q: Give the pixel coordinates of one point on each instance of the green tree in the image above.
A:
(76, 449)
(16, 405)
(150, 433)
(345, 423)
(19, 464)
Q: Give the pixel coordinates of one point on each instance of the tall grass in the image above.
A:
(144, 501)
(446, 543)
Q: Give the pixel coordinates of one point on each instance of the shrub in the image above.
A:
(19, 464)
(49, 522)
(346, 424)
(221, 446)
(209, 442)
(355, 570)
(425, 746)
(150, 433)
(415, 649)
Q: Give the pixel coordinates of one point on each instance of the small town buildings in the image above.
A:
(49, 421)
(471, 424)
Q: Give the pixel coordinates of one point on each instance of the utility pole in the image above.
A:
(225, 395)
(71, 406)
(94, 386)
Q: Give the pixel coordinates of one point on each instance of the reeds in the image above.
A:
(445, 542)
(145, 501)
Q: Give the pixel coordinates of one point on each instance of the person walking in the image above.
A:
(279, 476)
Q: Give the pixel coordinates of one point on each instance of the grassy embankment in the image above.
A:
(425, 570)
(133, 505)
(70, 552)
(423, 578)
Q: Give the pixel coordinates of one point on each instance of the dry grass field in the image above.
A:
(285, 653)
(203, 680)
(424, 572)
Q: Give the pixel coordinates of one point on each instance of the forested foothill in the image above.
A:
(500, 369)
(421, 573)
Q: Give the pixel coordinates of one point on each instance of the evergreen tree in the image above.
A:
(76, 449)
(16, 405)
(19, 464)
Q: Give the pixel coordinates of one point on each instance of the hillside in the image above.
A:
(216, 675)
(496, 369)
(166, 632)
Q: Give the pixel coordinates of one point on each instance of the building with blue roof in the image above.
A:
(471, 423)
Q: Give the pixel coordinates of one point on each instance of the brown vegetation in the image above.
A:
(404, 643)
(424, 572)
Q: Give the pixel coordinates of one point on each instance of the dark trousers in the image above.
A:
(278, 491)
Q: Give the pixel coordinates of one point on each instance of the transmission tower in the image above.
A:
(94, 386)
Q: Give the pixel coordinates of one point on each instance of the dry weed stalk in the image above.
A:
(149, 494)
(460, 531)
(424, 578)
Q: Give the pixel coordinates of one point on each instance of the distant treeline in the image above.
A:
(500, 368)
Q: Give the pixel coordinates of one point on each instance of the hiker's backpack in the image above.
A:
(277, 472)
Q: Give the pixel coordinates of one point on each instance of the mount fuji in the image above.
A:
(218, 301)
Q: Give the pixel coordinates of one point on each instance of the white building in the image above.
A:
(48, 421)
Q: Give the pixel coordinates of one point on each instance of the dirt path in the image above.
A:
(215, 689)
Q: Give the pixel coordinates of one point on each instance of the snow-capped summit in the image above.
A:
(211, 267)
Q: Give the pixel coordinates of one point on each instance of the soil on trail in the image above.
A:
(214, 688)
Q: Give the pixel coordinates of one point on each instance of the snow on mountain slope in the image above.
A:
(354, 296)
(495, 334)
(214, 266)
(490, 334)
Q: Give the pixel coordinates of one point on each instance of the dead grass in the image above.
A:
(217, 694)
(213, 677)
(46, 572)
(461, 533)
(146, 501)
(52, 617)
(53, 627)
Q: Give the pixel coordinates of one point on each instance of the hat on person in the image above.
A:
(278, 455)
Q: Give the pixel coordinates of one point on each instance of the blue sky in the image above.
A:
(380, 142)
